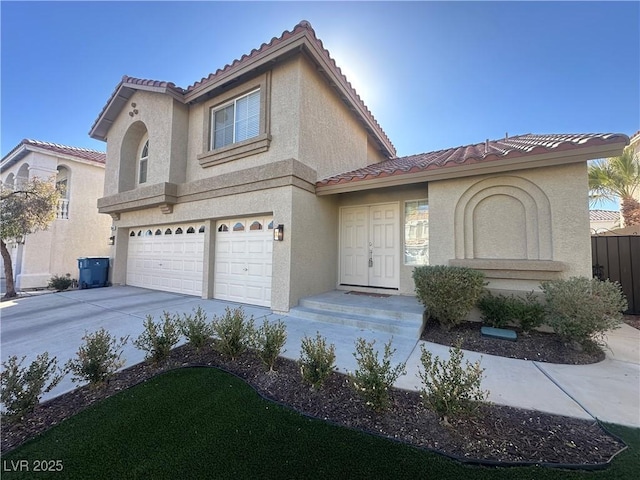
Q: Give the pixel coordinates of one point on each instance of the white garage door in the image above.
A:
(167, 257)
(244, 249)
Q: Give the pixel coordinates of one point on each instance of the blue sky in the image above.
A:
(434, 74)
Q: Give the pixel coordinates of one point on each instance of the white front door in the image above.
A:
(370, 245)
(244, 251)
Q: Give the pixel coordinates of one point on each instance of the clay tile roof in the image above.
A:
(302, 29)
(507, 148)
(77, 152)
(603, 215)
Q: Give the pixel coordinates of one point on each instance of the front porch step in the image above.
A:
(395, 314)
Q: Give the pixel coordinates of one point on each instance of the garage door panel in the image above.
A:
(166, 262)
(243, 263)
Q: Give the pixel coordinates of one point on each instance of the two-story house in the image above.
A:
(270, 180)
(78, 230)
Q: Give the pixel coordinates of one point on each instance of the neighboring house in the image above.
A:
(199, 179)
(78, 230)
(601, 221)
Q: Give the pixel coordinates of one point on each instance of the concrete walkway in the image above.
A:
(56, 322)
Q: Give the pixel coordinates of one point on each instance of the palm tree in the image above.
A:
(618, 177)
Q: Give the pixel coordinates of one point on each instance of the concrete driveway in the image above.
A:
(56, 322)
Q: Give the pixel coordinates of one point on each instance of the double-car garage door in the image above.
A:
(171, 257)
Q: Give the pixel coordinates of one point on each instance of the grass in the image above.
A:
(198, 423)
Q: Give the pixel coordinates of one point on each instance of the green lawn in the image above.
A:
(203, 423)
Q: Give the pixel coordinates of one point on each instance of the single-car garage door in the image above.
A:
(244, 248)
(167, 257)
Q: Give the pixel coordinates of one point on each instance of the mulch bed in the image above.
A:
(497, 433)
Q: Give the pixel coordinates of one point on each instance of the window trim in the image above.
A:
(244, 148)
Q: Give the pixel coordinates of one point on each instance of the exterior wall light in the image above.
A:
(112, 240)
(278, 233)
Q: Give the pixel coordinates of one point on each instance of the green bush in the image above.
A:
(196, 329)
(158, 339)
(498, 311)
(372, 379)
(98, 358)
(448, 293)
(23, 387)
(582, 309)
(449, 389)
(269, 341)
(233, 332)
(60, 283)
(317, 361)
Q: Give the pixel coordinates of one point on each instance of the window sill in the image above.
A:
(513, 269)
(235, 151)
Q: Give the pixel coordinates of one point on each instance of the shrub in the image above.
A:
(581, 309)
(269, 341)
(448, 293)
(98, 358)
(317, 361)
(158, 339)
(196, 329)
(372, 379)
(233, 332)
(529, 313)
(498, 311)
(23, 387)
(60, 283)
(449, 389)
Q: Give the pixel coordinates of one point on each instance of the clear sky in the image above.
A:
(434, 74)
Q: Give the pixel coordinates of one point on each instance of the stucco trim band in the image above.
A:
(273, 175)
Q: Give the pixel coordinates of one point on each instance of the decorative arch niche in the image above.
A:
(129, 151)
(504, 217)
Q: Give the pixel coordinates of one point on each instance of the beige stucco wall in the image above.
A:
(84, 233)
(530, 218)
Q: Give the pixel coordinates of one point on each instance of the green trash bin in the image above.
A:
(94, 272)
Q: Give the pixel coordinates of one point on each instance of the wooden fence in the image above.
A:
(618, 259)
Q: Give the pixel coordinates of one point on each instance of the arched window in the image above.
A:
(256, 226)
(223, 228)
(270, 226)
(22, 177)
(148, 233)
(179, 231)
(143, 162)
(139, 233)
(191, 230)
(238, 227)
(132, 234)
(158, 232)
(168, 231)
(62, 181)
(201, 229)
(10, 181)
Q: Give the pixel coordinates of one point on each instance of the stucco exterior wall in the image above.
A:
(331, 139)
(84, 233)
(532, 221)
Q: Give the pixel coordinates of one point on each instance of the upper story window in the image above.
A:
(236, 121)
(143, 163)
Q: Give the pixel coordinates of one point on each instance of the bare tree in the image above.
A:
(24, 209)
